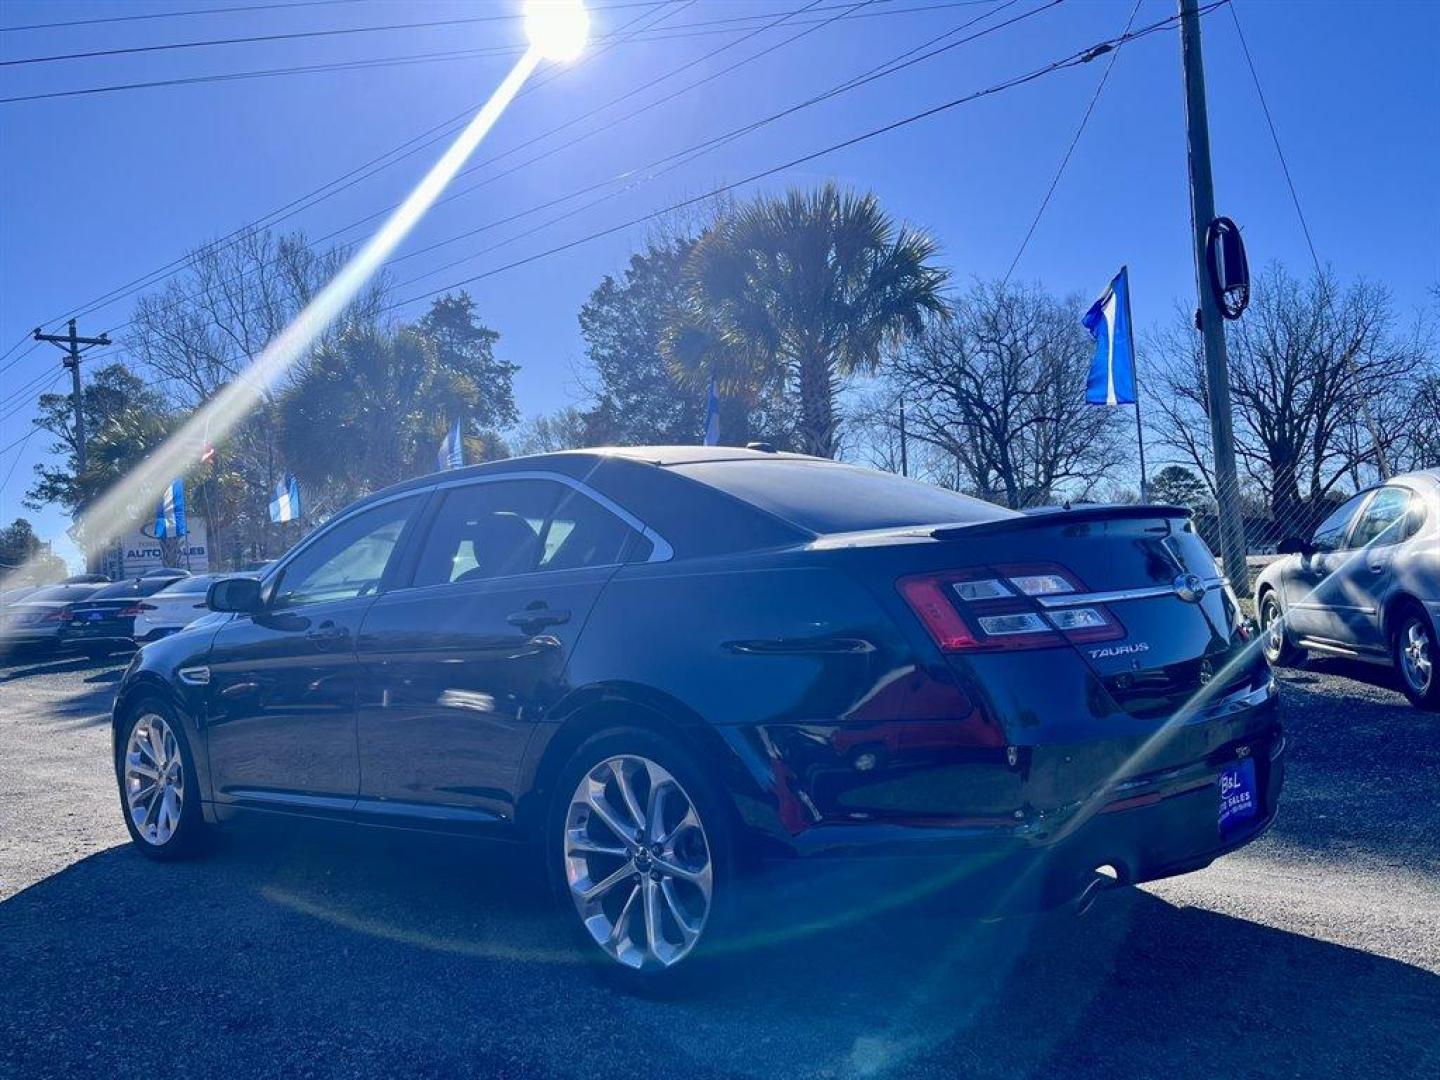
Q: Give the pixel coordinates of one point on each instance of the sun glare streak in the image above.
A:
(131, 498)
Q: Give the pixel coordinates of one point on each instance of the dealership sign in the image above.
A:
(138, 552)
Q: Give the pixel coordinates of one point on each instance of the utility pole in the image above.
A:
(904, 448)
(71, 343)
(1212, 327)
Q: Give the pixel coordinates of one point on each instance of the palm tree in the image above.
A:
(812, 288)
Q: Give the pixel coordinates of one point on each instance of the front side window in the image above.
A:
(508, 527)
(347, 560)
(1330, 533)
(1383, 521)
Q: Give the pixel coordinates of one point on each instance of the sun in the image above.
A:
(557, 29)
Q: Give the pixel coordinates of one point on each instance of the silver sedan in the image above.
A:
(1365, 584)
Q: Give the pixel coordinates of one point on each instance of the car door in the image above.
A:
(462, 663)
(280, 718)
(1380, 528)
(1321, 578)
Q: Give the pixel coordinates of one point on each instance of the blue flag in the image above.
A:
(712, 416)
(286, 504)
(1112, 372)
(452, 450)
(170, 514)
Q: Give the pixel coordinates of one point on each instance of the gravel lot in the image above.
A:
(319, 953)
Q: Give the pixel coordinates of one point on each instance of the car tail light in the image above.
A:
(63, 615)
(133, 610)
(993, 609)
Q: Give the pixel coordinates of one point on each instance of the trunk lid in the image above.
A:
(1172, 624)
(1132, 590)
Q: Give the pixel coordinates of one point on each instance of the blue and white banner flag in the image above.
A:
(286, 504)
(452, 450)
(170, 514)
(1112, 372)
(712, 416)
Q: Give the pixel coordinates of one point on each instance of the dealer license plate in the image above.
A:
(1239, 799)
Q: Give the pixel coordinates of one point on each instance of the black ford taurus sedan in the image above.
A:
(682, 672)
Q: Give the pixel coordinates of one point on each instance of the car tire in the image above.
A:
(1275, 639)
(683, 869)
(1415, 652)
(168, 823)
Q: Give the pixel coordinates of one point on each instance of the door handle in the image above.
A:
(327, 631)
(533, 619)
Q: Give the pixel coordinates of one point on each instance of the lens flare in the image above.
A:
(128, 500)
(557, 29)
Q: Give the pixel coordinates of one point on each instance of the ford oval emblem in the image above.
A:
(1189, 587)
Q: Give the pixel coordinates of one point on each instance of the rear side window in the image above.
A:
(825, 497)
(508, 527)
(1383, 521)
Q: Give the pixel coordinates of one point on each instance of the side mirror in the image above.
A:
(239, 594)
(1293, 545)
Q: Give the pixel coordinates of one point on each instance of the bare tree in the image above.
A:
(1311, 368)
(207, 325)
(999, 387)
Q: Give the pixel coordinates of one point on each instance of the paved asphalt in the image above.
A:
(324, 953)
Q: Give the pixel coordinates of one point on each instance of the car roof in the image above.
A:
(579, 463)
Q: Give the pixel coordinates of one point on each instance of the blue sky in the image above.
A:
(101, 188)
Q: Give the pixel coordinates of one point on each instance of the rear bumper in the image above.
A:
(1149, 825)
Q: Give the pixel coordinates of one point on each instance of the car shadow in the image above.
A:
(28, 665)
(1376, 675)
(306, 951)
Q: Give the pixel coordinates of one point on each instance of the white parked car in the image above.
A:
(173, 607)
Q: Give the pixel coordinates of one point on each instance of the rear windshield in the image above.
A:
(120, 590)
(61, 592)
(826, 497)
(189, 585)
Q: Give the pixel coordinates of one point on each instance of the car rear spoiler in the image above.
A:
(1059, 517)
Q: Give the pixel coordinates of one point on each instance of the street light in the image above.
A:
(557, 29)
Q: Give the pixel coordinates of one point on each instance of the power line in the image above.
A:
(678, 158)
(707, 28)
(14, 401)
(1365, 411)
(1070, 150)
(296, 35)
(24, 440)
(171, 15)
(275, 217)
(343, 182)
(890, 67)
(1008, 84)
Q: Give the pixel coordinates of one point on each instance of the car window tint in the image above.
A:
(487, 530)
(1382, 521)
(507, 527)
(828, 497)
(583, 533)
(187, 585)
(61, 592)
(347, 560)
(1330, 533)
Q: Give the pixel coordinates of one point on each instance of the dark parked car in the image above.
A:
(35, 622)
(674, 669)
(1365, 585)
(104, 621)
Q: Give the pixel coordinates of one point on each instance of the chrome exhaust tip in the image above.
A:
(1103, 877)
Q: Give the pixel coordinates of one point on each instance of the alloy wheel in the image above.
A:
(1416, 662)
(154, 779)
(638, 863)
(1274, 631)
